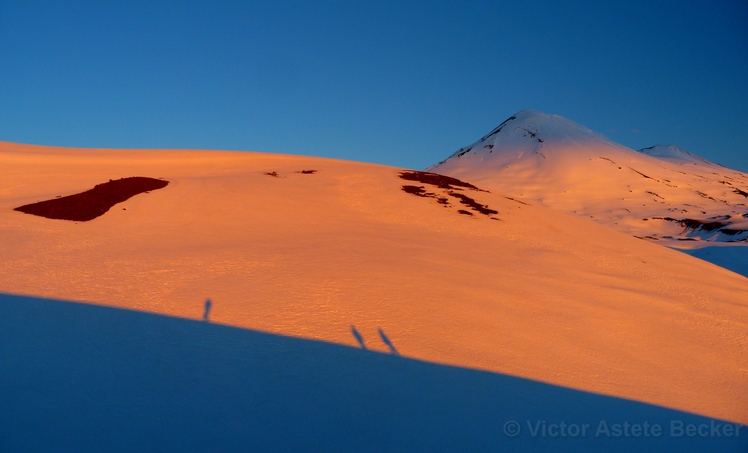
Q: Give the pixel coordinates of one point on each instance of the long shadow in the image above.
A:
(387, 342)
(78, 377)
(206, 313)
(359, 338)
(733, 258)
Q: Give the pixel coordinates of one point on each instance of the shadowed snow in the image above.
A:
(77, 377)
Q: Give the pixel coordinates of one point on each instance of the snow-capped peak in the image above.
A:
(534, 145)
(542, 126)
(661, 193)
(673, 153)
(532, 129)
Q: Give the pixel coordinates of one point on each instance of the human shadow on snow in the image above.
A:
(359, 338)
(387, 342)
(79, 377)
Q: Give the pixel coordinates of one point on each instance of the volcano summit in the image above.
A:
(662, 193)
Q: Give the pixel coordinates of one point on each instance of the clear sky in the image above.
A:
(402, 83)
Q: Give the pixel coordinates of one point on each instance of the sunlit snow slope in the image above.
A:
(347, 252)
(661, 193)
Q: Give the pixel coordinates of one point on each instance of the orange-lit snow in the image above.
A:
(538, 294)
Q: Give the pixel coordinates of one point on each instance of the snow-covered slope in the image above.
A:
(83, 378)
(662, 193)
(374, 256)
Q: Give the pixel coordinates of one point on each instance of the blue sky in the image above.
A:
(402, 83)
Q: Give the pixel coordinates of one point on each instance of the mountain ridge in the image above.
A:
(661, 193)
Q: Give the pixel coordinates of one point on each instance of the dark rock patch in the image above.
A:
(441, 181)
(93, 203)
(272, 173)
(695, 224)
(499, 127)
(518, 201)
(462, 152)
(656, 195)
(449, 186)
(648, 177)
(532, 134)
(418, 191)
(307, 172)
(709, 225)
(472, 204)
(700, 224)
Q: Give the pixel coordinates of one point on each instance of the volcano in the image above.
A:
(662, 193)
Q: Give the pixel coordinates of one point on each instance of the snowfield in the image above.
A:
(476, 306)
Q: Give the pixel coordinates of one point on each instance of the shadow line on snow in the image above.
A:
(79, 377)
